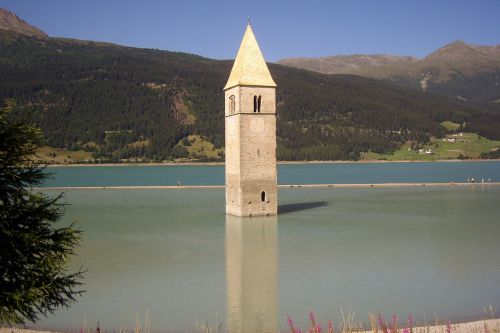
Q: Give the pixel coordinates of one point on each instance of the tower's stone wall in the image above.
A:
(250, 119)
(251, 176)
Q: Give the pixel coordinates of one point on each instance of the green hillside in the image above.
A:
(454, 146)
(122, 103)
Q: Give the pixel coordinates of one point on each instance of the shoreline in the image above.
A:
(291, 186)
(167, 164)
(485, 325)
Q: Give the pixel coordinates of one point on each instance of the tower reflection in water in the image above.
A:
(251, 274)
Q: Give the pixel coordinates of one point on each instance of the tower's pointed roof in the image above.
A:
(249, 68)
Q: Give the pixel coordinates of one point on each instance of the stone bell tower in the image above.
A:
(250, 121)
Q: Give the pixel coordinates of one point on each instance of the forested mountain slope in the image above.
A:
(124, 103)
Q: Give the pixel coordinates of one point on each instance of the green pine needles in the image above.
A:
(34, 254)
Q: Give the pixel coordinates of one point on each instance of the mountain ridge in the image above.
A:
(11, 22)
(485, 50)
(457, 69)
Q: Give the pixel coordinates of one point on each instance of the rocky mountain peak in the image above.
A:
(456, 46)
(11, 22)
(459, 50)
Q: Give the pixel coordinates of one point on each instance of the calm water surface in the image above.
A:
(396, 250)
(336, 173)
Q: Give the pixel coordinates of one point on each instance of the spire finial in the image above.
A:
(248, 19)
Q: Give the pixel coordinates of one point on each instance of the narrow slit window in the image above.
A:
(255, 104)
(263, 196)
(232, 104)
(258, 103)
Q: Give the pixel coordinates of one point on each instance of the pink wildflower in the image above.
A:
(410, 323)
(312, 318)
(330, 326)
(382, 325)
(394, 324)
(290, 324)
(381, 320)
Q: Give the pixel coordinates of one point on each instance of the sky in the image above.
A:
(284, 29)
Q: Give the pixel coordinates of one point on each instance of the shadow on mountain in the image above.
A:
(297, 207)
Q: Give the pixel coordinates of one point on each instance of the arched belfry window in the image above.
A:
(263, 196)
(257, 101)
(232, 104)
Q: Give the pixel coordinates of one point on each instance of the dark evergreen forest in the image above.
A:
(107, 99)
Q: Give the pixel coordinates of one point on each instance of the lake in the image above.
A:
(314, 173)
(175, 254)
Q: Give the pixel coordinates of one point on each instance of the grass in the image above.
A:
(348, 324)
(51, 155)
(393, 325)
(377, 324)
(138, 327)
(201, 147)
(450, 126)
(470, 145)
(139, 143)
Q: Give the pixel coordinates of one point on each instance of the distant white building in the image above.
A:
(427, 151)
